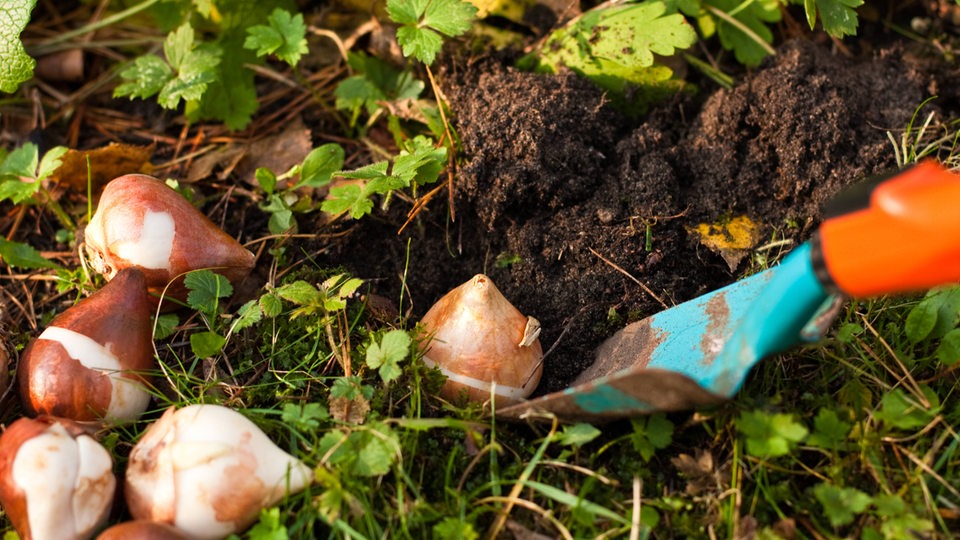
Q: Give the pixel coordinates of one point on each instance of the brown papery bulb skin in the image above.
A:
(142, 222)
(89, 363)
(142, 530)
(477, 337)
(56, 481)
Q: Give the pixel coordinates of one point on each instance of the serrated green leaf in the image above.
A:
(449, 17)
(841, 505)
(349, 197)
(838, 17)
(406, 11)
(756, 16)
(421, 43)
(367, 172)
(949, 349)
(285, 37)
(615, 47)
(305, 417)
(770, 435)
(144, 78)
(232, 96)
(206, 344)
(165, 325)
(195, 75)
(249, 314)
(23, 256)
(271, 305)
(651, 433)
(375, 81)
(320, 164)
(829, 431)
(51, 162)
(386, 355)
(346, 388)
(18, 190)
(299, 292)
(16, 66)
(22, 161)
(206, 288)
(577, 435)
(178, 45)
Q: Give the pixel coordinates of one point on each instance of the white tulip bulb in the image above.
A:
(56, 481)
(208, 471)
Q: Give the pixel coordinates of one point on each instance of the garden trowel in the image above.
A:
(889, 235)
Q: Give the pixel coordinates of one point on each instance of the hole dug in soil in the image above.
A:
(554, 179)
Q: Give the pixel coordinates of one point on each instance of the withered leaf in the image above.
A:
(732, 239)
(106, 163)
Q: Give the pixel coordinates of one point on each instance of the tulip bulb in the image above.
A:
(142, 222)
(56, 481)
(89, 363)
(208, 471)
(477, 338)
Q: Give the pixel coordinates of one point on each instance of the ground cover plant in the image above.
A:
(375, 156)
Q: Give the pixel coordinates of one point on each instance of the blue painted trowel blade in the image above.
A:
(693, 354)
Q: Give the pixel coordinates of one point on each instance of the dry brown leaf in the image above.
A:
(106, 163)
(276, 152)
(732, 239)
(353, 411)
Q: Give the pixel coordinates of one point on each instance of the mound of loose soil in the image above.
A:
(555, 181)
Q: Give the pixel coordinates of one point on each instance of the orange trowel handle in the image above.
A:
(905, 236)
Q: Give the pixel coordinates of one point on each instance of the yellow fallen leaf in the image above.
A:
(732, 239)
(106, 163)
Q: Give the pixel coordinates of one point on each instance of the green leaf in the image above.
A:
(424, 20)
(839, 18)
(651, 433)
(902, 411)
(756, 16)
(22, 161)
(266, 178)
(368, 451)
(451, 527)
(269, 526)
(271, 305)
(23, 256)
(949, 349)
(921, 320)
(346, 388)
(305, 417)
(18, 190)
(615, 47)
(249, 314)
(375, 81)
(206, 288)
(144, 78)
(573, 501)
(51, 162)
(178, 45)
(841, 505)
(320, 164)
(829, 431)
(348, 197)
(387, 354)
(16, 66)
(299, 292)
(285, 36)
(770, 435)
(368, 172)
(232, 96)
(206, 344)
(577, 435)
(165, 325)
(195, 75)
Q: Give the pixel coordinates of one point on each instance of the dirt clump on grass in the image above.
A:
(567, 204)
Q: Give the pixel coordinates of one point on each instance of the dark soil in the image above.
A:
(554, 179)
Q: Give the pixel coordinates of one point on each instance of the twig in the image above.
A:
(635, 280)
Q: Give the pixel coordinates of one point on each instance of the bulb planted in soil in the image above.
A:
(142, 222)
(56, 481)
(478, 338)
(89, 363)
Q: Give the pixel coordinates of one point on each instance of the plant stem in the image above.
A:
(96, 25)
